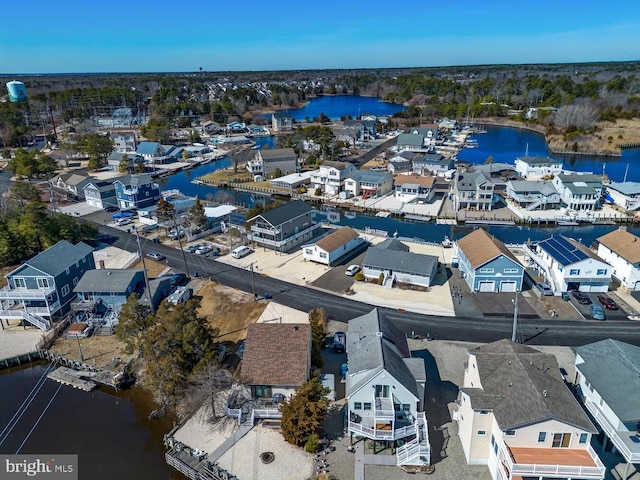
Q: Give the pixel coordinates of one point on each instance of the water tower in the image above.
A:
(17, 91)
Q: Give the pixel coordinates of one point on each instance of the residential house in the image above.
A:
(71, 183)
(431, 163)
(533, 195)
(152, 152)
(334, 246)
(364, 129)
(414, 142)
(537, 168)
(608, 378)
(579, 192)
(385, 388)
(271, 161)
(568, 265)
(429, 132)
(473, 190)
(331, 175)
(281, 121)
(401, 163)
(410, 189)
(621, 250)
(368, 183)
(393, 260)
(625, 194)
(134, 161)
(136, 191)
(42, 287)
(237, 127)
(100, 194)
(487, 265)
(107, 286)
(124, 142)
(284, 227)
(516, 415)
(159, 289)
(219, 218)
(293, 181)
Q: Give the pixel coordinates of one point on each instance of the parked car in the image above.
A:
(175, 234)
(124, 221)
(193, 248)
(352, 270)
(241, 252)
(177, 279)
(110, 208)
(581, 298)
(339, 342)
(203, 250)
(155, 256)
(596, 312)
(544, 289)
(607, 302)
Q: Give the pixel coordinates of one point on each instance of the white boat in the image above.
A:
(447, 242)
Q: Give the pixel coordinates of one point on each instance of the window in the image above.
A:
(561, 440)
(357, 405)
(323, 255)
(601, 271)
(308, 251)
(406, 407)
(367, 406)
(67, 271)
(65, 291)
(43, 283)
(75, 281)
(583, 438)
(510, 433)
(382, 391)
(486, 270)
(510, 270)
(20, 283)
(482, 433)
(542, 437)
(484, 412)
(574, 271)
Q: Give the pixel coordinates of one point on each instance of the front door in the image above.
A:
(561, 440)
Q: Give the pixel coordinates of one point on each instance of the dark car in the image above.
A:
(581, 298)
(607, 302)
(177, 279)
(110, 208)
(339, 342)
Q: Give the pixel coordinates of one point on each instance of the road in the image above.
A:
(539, 332)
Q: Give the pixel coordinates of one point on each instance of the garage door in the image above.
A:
(507, 286)
(487, 286)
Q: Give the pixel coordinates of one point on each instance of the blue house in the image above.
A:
(487, 265)
(42, 287)
(109, 286)
(136, 191)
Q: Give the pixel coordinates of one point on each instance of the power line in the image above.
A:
(39, 418)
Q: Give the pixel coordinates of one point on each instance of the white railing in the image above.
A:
(383, 408)
(582, 471)
(7, 293)
(267, 231)
(266, 413)
(538, 261)
(37, 321)
(377, 434)
(614, 435)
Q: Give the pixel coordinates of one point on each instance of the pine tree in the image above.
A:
(302, 415)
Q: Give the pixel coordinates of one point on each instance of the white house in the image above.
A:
(568, 265)
(411, 189)
(621, 250)
(400, 163)
(533, 195)
(333, 246)
(331, 175)
(385, 388)
(608, 377)
(579, 192)
(625, 194)
(537, 168)
(368, 183)
(516, 415)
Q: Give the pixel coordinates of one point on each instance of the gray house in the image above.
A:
(109, 286)
(431, 164)
(42, 287)
(284, 227)
(266, 162)
(393, 259)
(474, 190)
(281, 121)
(533, 195)
(100, 193)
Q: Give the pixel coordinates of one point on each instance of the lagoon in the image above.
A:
(338, 106)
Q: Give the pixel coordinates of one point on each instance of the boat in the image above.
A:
(447, 242)
(565, 223)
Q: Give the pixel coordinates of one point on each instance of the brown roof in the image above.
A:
(479, 247)
(623, 243)
(337, 239)
(276, 354)
(414, 179)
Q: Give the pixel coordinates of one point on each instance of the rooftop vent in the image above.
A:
(378, 334)
(544, 393)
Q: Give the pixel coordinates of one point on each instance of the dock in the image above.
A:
(74, 378)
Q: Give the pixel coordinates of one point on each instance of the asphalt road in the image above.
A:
(540, 331)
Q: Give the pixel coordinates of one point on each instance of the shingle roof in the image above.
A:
(541, 186)
(142, 179)
(626, 188)
(613, 368)
(479, 247)
(107, 280)
(393, 244)
(57, 258)
(286, 212)
(278, 153)
(337, 165)
(276, 354)
(370, 176)
(282, 114)
(337, 238)
(373, 344)
(523, 386)
(625, 244)
(410, 139)
(405, 154)
(470, 180)
(147, 148)
(399, 261)
(427, 182)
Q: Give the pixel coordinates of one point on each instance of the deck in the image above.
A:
(74, 378)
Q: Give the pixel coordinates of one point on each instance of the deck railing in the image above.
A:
(377, 434)
(614, 435)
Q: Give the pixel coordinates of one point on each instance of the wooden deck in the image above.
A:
(74, 378)
(552, 456)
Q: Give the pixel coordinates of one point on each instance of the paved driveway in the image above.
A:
(619, 314)
(335, 279)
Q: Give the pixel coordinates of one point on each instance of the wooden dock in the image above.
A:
(74, 378)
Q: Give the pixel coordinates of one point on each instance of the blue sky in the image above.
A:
(70, 36)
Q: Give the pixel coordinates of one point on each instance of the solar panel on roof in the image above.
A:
(562, 250)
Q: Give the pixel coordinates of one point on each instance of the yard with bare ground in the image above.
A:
(229, 310)
(154, 269)
(99, 351)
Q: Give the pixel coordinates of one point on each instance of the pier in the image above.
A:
(74, 378)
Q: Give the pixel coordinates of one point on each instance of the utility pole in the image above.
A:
(253, 282)
(146, 275)
(80, 348)
(514, 331)
(184, 257)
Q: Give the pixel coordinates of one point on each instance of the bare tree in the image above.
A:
(580, 116)
(207, 383)
(238, 157)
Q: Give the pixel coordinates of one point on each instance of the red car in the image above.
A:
(607, 302)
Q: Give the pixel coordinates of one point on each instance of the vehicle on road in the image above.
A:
(607, 302)
(203, 250)
(124, 221)
(596, 312)
(193, 248)
(544, 289)
(155, 256)
(581, 298)
(352, 270)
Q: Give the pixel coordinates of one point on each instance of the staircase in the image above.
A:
(37, 321)
(536, 204)
(388, 281)
(540, 263)
(106, 330)
(418, 450)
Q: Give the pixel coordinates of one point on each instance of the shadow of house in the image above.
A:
(438, 394)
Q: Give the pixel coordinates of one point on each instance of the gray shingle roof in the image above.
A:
(373, 344)
(613, 368)
(393, 244)
(626, 188)
(543, 187)
(288, 211)
(135, 180)
(56, 259)
(399, 261)
(107, 280)
(370, 176)
(523, 386)
(278, 153)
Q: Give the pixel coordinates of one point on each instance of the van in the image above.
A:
(240, 252)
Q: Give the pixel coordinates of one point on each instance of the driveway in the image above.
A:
(335, 279)
(619, 314)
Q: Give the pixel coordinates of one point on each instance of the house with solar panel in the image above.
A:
(516, 415)
(567, 264)
(385, 388)
(608, 377)
(487, 265)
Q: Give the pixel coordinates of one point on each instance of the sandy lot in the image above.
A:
(15, 340)
(101, 351)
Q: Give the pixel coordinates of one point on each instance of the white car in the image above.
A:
(203, 250)
(352, 270)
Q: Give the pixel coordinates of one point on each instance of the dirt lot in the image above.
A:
(606, 138)
(229, 310)
(154, 269)
(99, 351)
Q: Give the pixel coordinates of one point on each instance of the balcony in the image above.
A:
(7, 293)
(130, 191)
(265, 230)
(380, 431)
(383, 409)
(557, 462)
(622, 439)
